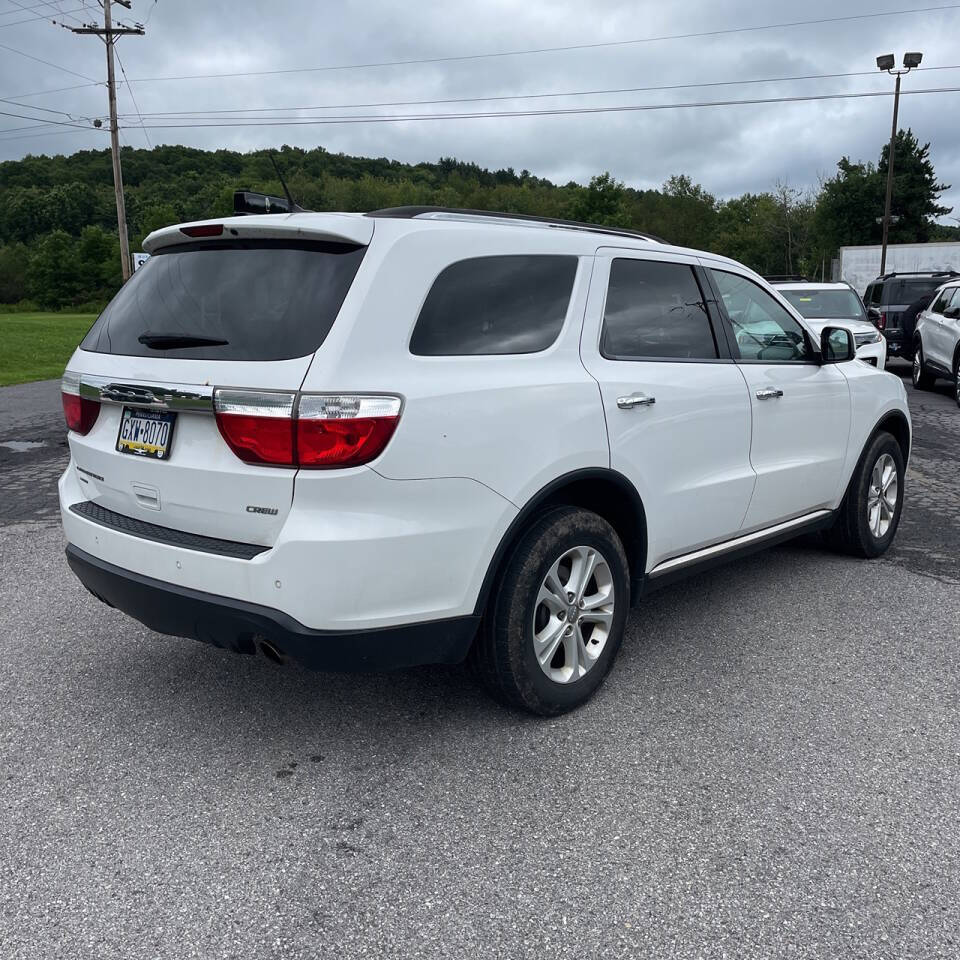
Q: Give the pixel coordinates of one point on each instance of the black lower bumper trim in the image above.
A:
(240, 626)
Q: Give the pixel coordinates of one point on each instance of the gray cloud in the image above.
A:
(728, 149)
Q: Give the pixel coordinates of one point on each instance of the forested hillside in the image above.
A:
(58, 245)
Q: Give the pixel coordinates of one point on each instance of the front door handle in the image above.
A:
(769, 393)
(635, 400)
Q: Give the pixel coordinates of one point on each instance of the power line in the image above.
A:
(60, 123)
(559, 111)
(46, 63)
(200, 114)
(29, 106)
(13, 23)
(48, 93)
(560, 49)
(32, 136)
(133, 98)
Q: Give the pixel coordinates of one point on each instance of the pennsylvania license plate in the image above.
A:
(146, 433)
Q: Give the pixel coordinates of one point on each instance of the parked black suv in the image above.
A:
(887, 299)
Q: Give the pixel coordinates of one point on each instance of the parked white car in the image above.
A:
(839, 305)
(937, 340)
(372, 441)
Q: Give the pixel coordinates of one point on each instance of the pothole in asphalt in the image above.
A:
(22, 446)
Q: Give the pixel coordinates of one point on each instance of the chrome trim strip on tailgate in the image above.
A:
(150, 396)
(758, 536)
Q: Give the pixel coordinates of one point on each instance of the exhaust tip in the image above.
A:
(270, 651)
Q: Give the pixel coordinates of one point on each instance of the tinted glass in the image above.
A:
(950, 309)
(763, 329)
(943, 301)
(240, 300)
(514, 304)
(655, 309)
(904, 292)
(826, 304)
(872, 296)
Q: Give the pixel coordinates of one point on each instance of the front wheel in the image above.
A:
(870, 513)
(556, 619)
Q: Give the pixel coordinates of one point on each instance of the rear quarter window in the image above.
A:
(495, 305)
(238, 300)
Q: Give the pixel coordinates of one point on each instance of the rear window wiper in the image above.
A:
(173, 341)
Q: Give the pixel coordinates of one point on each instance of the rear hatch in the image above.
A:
(246, 313)
(899, 293)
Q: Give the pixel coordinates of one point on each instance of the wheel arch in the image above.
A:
(602, 490)
(894, 422)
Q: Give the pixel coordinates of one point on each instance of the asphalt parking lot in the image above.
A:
(771, 770)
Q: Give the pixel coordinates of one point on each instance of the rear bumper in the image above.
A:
(241, 626)
(896, 342)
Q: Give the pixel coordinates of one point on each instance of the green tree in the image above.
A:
(14, 263)
(603, 201)
(915, 189)
(54, 277)
(851, 202)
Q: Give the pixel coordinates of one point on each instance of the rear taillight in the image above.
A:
(882, 322)
(344, 431)
(323, 431)
(258, 426)
(80, 412)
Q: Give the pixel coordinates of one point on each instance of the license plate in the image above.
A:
(146, 433)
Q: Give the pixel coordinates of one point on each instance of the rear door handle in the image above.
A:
(769, 393)
(635, 400)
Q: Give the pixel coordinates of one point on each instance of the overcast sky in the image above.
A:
(729, 149)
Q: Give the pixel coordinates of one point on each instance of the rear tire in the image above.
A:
(870, 513)
(923, 379)
(556, 618)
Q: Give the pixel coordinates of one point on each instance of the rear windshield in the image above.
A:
(229, 300)
(904, 292)
(826, 304)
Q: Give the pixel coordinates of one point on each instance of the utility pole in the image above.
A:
(109, 33)
(889, 198)
(886, 64)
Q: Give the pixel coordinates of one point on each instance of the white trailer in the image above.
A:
(859, 265)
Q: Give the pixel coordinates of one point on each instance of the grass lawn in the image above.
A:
(37, 346)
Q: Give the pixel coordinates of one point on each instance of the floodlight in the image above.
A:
(886, 62)
(911, 60)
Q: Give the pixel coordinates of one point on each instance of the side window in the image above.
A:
(952, 309)
(655, 310)
(873, 295)
(943, 301)
(495, 305)
(762, 328)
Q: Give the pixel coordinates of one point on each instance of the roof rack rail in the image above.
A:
(458, 213)
(919, 273)
(786, 278)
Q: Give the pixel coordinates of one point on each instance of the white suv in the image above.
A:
(936, 340)
(373, 441)
(835, 304)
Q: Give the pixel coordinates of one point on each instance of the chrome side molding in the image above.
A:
(728, 546)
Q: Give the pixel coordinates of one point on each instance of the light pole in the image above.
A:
(886, 63)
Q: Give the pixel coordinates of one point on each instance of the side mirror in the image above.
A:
(836, 345)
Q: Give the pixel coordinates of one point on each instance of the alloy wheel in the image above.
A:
(573, 614)
(882, 496)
